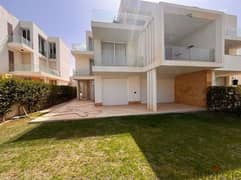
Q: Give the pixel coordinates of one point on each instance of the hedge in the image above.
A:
(32, 94)
(224, 99)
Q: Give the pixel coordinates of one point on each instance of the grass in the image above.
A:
(176, 146)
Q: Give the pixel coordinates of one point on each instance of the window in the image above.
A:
(52, 50)
(91, 65)
(41, 43)
(26, 34)
(91, 47)
(11, 60)
(113, 53)
(10, 29)
(10, 32)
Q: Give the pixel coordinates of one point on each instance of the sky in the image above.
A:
(69, 19)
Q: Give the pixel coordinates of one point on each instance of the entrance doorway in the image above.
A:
(86, 90)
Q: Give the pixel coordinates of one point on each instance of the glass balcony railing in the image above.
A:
(23, 67)
(79, 47)
(189, 53)
(48, 70)
(104, 16)
(233, 32)
(133, 62)
(81, 72)
(20, 39)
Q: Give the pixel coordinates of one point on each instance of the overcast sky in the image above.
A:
(69, 19)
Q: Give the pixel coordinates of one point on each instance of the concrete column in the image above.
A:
(98, 90)
(213, 78)
(152, 90)
(148, 90)
(78, 90)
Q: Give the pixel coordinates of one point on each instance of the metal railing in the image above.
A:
(43, 68)
(189, 53)
(20, 39)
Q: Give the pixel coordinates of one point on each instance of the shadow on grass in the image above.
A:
(177, 146)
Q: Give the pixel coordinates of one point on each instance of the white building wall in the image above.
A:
(165, 89)
(82, 63)
(64, 60)
(5, 17)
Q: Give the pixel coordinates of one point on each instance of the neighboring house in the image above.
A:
(157, 53)
(26, 52)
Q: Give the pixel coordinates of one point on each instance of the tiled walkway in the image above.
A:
(76, 110)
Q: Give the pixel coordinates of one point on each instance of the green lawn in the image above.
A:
(178, 146)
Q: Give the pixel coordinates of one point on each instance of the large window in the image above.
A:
(52, 50)
(41, 44)
(113, 53)
(91, 45)
(26, 34)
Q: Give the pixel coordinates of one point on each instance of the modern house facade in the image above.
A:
(26, 52)
(155, 53)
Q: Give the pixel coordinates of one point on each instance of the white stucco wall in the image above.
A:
(5, 17)
(165, 89)
(82, 64)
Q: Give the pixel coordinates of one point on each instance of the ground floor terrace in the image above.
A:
(164, 85)
(148, 89)
(80, 110)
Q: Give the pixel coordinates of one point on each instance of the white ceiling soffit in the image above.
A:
(178, 26)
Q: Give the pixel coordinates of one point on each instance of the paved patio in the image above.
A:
(77, 110)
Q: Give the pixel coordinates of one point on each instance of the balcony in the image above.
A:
(82, 72)
(52, 56)
(232, 63)
(48, 70)
(179, 53)
(81, 49)
(20, 43)
(233, 32)
(22, 67)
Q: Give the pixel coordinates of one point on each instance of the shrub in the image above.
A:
(32, 94)
(226, 99)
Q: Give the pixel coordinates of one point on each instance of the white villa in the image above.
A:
(26, 52)
(157, 53)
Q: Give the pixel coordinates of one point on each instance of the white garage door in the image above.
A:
(115, 92)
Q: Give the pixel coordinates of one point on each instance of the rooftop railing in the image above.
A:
(122, 18)
(189, 53)
(20, 39)
(104, 16)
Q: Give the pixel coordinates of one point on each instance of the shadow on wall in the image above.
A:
(177, 146)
